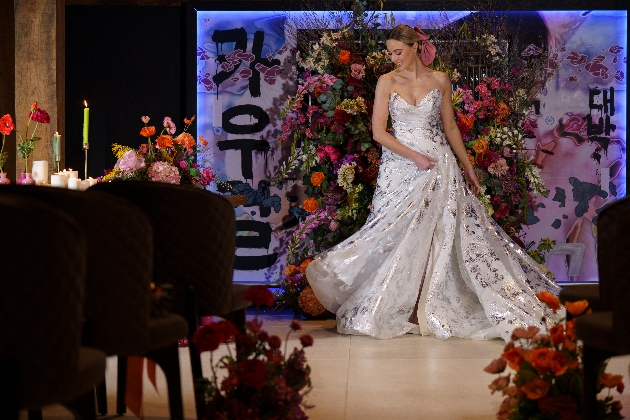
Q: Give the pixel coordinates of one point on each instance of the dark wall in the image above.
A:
(126, 61)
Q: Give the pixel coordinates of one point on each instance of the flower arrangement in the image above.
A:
(261, 382)
(171, 159)
(548, 379)
(26, 143)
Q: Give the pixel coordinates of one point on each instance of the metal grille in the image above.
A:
(474, 68)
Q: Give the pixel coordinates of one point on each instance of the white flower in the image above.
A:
(345, 176)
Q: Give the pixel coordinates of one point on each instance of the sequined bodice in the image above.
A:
(428, 241)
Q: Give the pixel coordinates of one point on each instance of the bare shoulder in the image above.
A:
(442, 80)
(386, 82)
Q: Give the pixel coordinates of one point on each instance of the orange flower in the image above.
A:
(471, 158)
(290, 270)
(609, 380)
(480, 146)
(541, 359)
(186, 140)
(576, 308)
(556, 333)
(310, 205)
(202, 140)
(558, 363)
(317, 178)
(570, 330)
(536, 388)
(189, 121)
(503, 111)
(344, 57)
(552, 301)
(164, 141)
(514, 357)
(147, 131)
(530, 332)
(306, 262)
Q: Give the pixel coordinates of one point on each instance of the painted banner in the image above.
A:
(244, 76)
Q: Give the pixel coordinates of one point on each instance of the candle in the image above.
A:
(74, 183)
(85, 184)
(92, 181)
(86, 122)
(72, 174)
(58, 181)
(40, 171)
(57, 147)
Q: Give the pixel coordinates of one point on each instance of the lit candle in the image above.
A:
(74, 184)
(57, 147)
(58, 181)
(86, 122)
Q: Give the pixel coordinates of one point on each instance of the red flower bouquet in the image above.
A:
(261, 383)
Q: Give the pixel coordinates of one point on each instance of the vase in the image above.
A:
(3, 179)
(28, 179)
(21, 178)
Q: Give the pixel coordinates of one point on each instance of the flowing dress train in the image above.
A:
(428, 240)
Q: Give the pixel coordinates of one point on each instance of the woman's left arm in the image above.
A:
(452, 132)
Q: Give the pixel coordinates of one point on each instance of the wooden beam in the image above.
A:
(60, 77)
(7, 79)
(35, 73)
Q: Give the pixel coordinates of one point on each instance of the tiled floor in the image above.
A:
(357, 377)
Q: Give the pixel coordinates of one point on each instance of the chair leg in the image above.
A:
(592, 358)
(197, 375)
(168, 359)
(101, 399)
(121, 389)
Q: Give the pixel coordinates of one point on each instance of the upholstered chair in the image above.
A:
(606, 333)
(43, 265)
(119, 273)
(194, 242)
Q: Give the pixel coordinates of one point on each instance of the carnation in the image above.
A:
(163, 172)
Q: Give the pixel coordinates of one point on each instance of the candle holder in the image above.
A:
(86, 147)
(58, 166)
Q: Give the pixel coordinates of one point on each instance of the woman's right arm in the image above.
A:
(380, 114)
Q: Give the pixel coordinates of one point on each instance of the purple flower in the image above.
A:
(130, 162)
(349, 158)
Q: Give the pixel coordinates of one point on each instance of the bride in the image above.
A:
(429, 259)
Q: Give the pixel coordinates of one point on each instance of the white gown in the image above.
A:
(478, 284)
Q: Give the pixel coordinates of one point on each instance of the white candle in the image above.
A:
(40, 171)
(58, 181)
(85, 184)
(74, 183)
(72, 174)
(92, 181)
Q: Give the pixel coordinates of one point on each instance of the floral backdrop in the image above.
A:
(294, 138)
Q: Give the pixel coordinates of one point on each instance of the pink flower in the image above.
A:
(358, 71)
(498, 168)
(496, 366)
(207, 176)
(169, 125)
(163, 172)
(40, 116)
(130, 162)
(145, 119)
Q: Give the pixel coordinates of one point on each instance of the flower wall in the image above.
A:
(245, 75)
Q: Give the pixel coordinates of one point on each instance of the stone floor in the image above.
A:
(355, 377)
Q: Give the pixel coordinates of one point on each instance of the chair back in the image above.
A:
(613, 255)
(43, 268)
(119, 265)
(194, 240)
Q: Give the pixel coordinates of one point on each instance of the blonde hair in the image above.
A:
(405, 34)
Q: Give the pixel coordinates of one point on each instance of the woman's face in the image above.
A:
(401, 54)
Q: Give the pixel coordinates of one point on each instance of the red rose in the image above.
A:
(274, 342)
(252, 373)
(6, 125)
(259, 295)
(306, 340)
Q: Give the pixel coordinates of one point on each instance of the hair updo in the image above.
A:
(405, 34)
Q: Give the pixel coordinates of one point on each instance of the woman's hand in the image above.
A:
(423, 162)
(471, 180)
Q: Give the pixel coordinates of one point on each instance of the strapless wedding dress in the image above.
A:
(429, 240)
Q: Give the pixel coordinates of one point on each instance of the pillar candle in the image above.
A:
(57, 147)
(86, 122)
(58, 181)
(74, 183)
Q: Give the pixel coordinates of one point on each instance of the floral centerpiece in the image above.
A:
(169, 158)
(26, 142)
(6, 127)
(261, 382)
(548, 379)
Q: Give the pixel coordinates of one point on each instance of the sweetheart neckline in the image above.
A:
(421, 100)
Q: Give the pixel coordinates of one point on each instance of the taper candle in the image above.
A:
(57, 146)
(86, 122)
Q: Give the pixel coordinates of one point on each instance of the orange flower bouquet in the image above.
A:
(548, 379)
